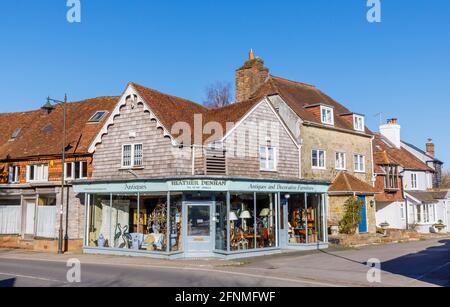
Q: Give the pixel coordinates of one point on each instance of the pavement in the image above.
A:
(415, 264)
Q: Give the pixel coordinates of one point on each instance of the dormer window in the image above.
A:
(327, 115)
(97, 117)
(358, 122)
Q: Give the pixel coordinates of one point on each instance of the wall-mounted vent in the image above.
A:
(215, 161)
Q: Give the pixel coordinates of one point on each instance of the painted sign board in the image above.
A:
(188, 185)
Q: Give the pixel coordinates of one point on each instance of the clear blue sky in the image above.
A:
(400, 67)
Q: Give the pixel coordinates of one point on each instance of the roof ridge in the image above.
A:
(293, 81)
(168, 95)
(70, 103)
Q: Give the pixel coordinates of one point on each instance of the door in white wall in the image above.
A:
(30, 218)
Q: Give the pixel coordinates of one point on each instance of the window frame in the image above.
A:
(324, 167)
(266, 161)
(92, 121)
(74, 168)
(132, 156)
(357, 117)
(414, 181)
(356, 162)
(14, 178)
(327, 109)
(38, 169)
(344, 160)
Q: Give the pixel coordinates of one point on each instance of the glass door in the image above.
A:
(199, 230)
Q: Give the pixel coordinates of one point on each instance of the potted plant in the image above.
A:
(385, 227)
(440, 226)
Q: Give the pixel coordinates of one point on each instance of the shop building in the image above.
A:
(236, 194)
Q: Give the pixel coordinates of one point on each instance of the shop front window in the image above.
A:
(153, 223)
(306, 219)
(265, 210)
(297, 218)
(242, 221)
(315, 218)
(99, 229)
(124, 224)
(176, 222)
(221, 221)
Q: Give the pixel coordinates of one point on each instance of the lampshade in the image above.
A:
(245, 215)
(265, 212)
(233, 216)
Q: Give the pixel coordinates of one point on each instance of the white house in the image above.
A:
(419, 171)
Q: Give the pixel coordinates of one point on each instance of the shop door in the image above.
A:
(30, 217)
(363, 216)
(198, 228)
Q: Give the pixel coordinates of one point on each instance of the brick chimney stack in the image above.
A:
(250, 77)
(431, 150)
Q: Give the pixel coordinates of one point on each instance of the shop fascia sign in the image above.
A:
(212, 185)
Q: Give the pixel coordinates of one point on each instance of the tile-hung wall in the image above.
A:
(244, 159)
(134, 126)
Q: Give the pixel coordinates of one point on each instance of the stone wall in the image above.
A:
(333, 141)
(336, 211)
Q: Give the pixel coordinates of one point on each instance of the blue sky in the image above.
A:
(400, 67)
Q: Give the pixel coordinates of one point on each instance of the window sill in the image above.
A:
(268, 171)
(319, 168)
(360, 172)
(137, 168)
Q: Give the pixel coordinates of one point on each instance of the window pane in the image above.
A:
(242, 222)
(68, 170)
(199, 221)
(138, 155)
(265, 228)
(77, 170)
(127, 155)
(321, 158)
(84, 169)
(314, 158)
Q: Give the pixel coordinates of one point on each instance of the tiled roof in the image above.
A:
(428, 197)
(170, 109)
(386, 153)
(41, 133)
(347, 184)
(299, 96)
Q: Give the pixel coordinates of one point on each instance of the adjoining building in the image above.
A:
(31, 169)
(407, 178)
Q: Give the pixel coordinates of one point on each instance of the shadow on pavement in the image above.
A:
(431, 265)
(7, 283)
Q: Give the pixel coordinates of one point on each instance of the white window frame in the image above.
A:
(15, 174)
(39, 169)
(402, 211)
(133, 159)
(264, 164)
(324, 111)
(357, 164)
(72, 176)
(359, 122)
(318, 166)
(414, 181)
(343, 156)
